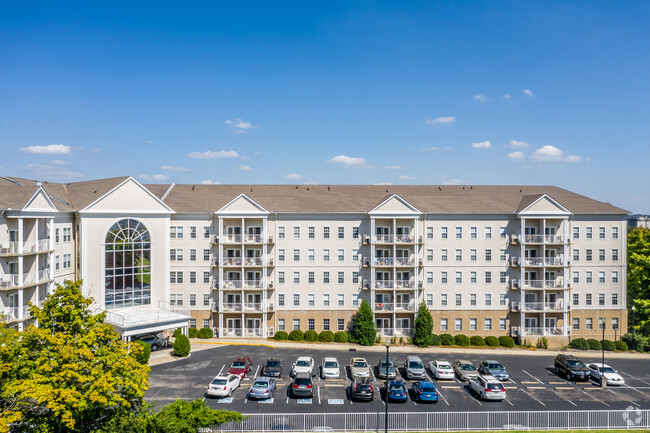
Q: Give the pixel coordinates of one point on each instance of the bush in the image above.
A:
(447, 340)
(364, 331)
(341, 337)
(462, 340)
(635, 341)
(281, 336)
(205, 333)
(594, 344)
(296, 335)
(620, 345)
(579, 343)
(423, 326)
(435, 340)
(542, 343)
(506, 341)
(193, 332)
(143, 357)
(177, 332)
(311, 335)
(608, 345)
(326, 336)
(477, 340)
(182, 346)
(492, 341)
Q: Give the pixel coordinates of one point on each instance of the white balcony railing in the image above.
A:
(253, 284)
(384, 261)
(405, 284)
(405, 306)
(43, 245)
(404, 331)
(10, 314)
(43, 275)
(537, 331)
(232, 306)
(386, 331)
(543, 306)
(231, 261)
(384, 284)
(404, 238)
(383, 238)
(254, 238)
(232, 284)
(383, 306)
(232, 332)
(9, 248)
(8, 281)
(543, 261)
(543, 239)
(254, 332)
(253, 261)
(542, 284)
(253, 306)
(232, 239)
(404, 261)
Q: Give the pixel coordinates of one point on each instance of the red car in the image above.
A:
(240, 366)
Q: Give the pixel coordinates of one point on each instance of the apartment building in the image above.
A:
(249, 260)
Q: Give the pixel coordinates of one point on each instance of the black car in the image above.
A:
(361, 389)
(272, 368)
(302, 386)
(571, 367)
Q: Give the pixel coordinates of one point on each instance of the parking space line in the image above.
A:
(556, 393)
(256, 371)
(592, 397)
(471, 395)
(632, 388)
(222, 367)
(629, 375)
(509, 402)
(532, 376)
(511, 380)
(538, 401)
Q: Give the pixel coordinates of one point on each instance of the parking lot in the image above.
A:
(533, 384)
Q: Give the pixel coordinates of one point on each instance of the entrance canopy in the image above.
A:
(139, 320)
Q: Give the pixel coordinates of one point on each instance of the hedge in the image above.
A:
(477, 340)
(447, 340)
(205, 333)
(281, 336)
(620, 345)
(296, 335)
(462, 340)
(608, 345)
(506, 341)
(594, 344)
(193, 333)
(341, 337)
(311, 335)
(177, 332)
(492, 341)
(435, 340)
(579, 343)
(182, 346)
(143, 357)
(326, 336)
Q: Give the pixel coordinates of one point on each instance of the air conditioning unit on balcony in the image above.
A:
(270, 239)
(514, 284)
(514, 239)
(421, 239)
(270, 284)
(366, 262)
(270, 262)
(365, 285)
(568, 284)
(420, 262)
(366, 239)
(215, 239)
(421, 283)
(514, 261)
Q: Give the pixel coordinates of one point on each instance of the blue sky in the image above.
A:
(377, 92)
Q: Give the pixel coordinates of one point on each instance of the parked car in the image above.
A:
(571, 367)
(272, 368)
(303, 365)
(359, 367)
(361, 389)
(415, 367)
(152, 340)
(397, 391)
(302, 386)
(493, 368)
(240, 366)
(424, 390)
(487, 387)
(598, 371)
(330, 369)
(386, 368)
(441, 370)
(223, 385)
(262, 388)
(465, 369)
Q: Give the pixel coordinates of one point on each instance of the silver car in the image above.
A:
(262, 388)
(330, 369)
(487, 387)
(359, 367)
(465, 369)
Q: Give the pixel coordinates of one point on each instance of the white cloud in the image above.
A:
(506, 96)
(528, 92)
(431, 148)
(240, 125)
(244, 168)
(214, 155)
(516, 155)
(50, 149)
(394, 167)
(453, 182)
(148, 142)
(50, 171)
(348, 161)
(174, 168)
(155, 177)
(439, 120)
(384, 183)
(480, 98)
(210, 182)
(405, 177)
(293, 176)
(96, 149)
(448, 147)
(518, 144)
(58, 162)
(482, 144)
(552, 154)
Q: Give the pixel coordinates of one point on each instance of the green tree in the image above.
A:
(423, 326)
(72, 373)
(364, 331)
(638, 271)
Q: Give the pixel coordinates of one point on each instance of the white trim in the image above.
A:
(38, 191)
(223, 210)
(413, 210)
(561, 209)
(87, 209)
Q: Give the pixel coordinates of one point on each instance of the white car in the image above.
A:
(441, 370)
(598, 370)
(487, 387)
(303, 365)
(330, 369)
(223, 385)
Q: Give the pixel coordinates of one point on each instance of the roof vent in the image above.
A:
(38, 183)
(439, 189)
(192, 187)
(328, 188)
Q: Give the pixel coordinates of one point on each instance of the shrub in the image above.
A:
(341, 337)
(364, 331)
(296, 335)
(281, 336)
(635, 341)
(192, 332)
(177, 332)
(620, 345)
(477, 340)
(205, 333)
(423, 326)
(594, 344)
(447, 340)
(492, 341)
(461, 340)
(608, 345)
(182, 346)
(143, 357)
(311, 335)
(542, 343)
(326, 336)
(435, 340)
(506, 341)
(579, 343)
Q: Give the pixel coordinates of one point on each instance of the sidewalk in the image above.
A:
(165, 355)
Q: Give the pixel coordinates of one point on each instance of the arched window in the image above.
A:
(127, 259)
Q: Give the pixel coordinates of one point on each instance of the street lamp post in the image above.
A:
(633, 327)
(603, 380)
(386, 388)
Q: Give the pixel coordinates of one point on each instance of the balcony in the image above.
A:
(253, 261)
(253, 307)
(388, 332)
(230, 239)
(254, 332)
(394, 239)
(383, 307)
(545, 331)
(384, 284)
(12, 248)
(543, 261)
(404, 331)
(542, 284)
(11, 281)
(12, 314)
(232, 332)
(404, 261)
(231, 307)
(253, 284)
(254, 239)
(232, 284)
(532, 307)
(8, 281)
(543, 239)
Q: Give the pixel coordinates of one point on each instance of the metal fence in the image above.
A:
(631, 418)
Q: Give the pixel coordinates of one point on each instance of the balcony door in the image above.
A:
(530, 322)
(403, 300)
(254, 300)
(253, 253)
(233, 324)
(233, 298)
(254, 231)
(403, 279)
(382, 324)
(403, 323)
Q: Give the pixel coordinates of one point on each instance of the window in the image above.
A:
(488, 232)
(459, 299)
(280, 277)
(355, 299)
(341, 232)
(601, 254)
(281, 232)
(502, 277)
(326, 277)
(487, 324)
(472, 324)
(296, 277)
(459, 254)
(459, 232)
(176, 255)
(488, 299)
(576, 255)
(310, 255)
(56, 263)
(355, 277)
(588, 234)
(296, 255)
(472, 299)
(311, 232)
(488, 255)
(614, 322)
(296, 232)
(502, 255)
(576, 233)
(502, 324)
(488, 277)
(576, 299)
(429, 232)
(326, 324)
(588, 299)
(601, 232)
(176, 277)
(458, 324)
(588, 277)
(341, 324)
(576, 277)
(206, 254)
(341, 255)
(429, 255)
(192, 277)
(281, 300)
(429, 299)
(615, 254)
(176, 299)
(341, 277)
(443, 299)
(443, 255)
(326, 255)
(280, 324)
(326, 232)
(443, 324)
(614, 232)
(326, 300)
(311, 324)
(341, 299)
(281, 254)
(443, 277)
(296, 324)
(67, 234)
(472, 277)
(56, 235)
(502, 232)
(502, 299)
(614, 277)
(206, 277)
(192, 299)
(355, 254)
(601, 277)
(472, 232)
(176, 232)
(429, 277)
(206, 232)
(296, 299)
(459, 277)
(472, 255)
(576, 323)
(192, 232)
(67, 261)
(192, 255)
(355, 232)
(192, 323)
(443, 232)
(311, 277)
(601, 299)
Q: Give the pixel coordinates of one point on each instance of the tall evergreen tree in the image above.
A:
(423, 326)
(364, 331)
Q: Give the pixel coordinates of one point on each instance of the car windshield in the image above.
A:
(302, 363)
(575, 364)
(272, 363)
(495, 367)
(238, 364)
(495, 386)
(260, 385)
(415, 364)
(331, 364)
(468, 367)
(359, 364)
(219, 382)
(398, 388)
(607, 370)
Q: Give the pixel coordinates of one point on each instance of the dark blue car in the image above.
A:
(397, 391)
(425, 390)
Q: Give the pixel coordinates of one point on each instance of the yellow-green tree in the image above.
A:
(71, 373)
(638, 272)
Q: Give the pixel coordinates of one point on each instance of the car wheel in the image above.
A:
(569, 376)
(483, 396)
(230, 392)
(557, 370)
(154, 347)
